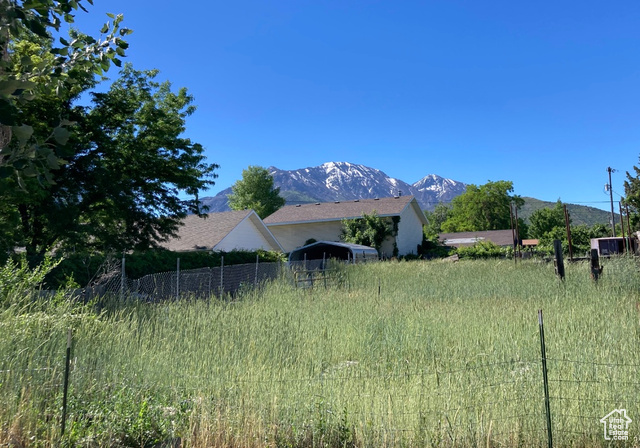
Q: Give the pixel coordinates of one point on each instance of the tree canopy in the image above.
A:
(255, 191)
(123, 166)
(436, 218)
(60, 67)
(544, 220)
(484, 207)
(632, 196)
(370, 230)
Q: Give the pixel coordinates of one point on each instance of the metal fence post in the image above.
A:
(123, 278)
(221, 275)
(547, 406)
(65, 386)
(178, 278)
(255, 282)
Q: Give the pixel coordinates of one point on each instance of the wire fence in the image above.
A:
(464, 403)
(193, 283)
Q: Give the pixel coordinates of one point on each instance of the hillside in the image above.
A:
(580, 214)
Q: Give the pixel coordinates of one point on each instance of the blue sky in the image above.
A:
(545, 94)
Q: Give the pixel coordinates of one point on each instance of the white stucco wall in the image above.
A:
(409, 232)
(245, 236)
(294, 235)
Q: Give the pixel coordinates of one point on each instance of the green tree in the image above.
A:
(255, 191)
(632, 197)
(484, 207)
(127, 166)
(62, 65)
(436, 218)
(370, 230)
(546, 219)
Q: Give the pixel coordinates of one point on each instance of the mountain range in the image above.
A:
(341, 181)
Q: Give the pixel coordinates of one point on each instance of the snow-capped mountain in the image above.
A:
(340, 181)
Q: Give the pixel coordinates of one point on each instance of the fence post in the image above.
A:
(547, 406)
(557, 252)
(221, 275)
(255, 282)
(178, 278)
(123, 278)
(596, 269)
(65, 386)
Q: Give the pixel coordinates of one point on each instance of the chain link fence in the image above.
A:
(194, 283)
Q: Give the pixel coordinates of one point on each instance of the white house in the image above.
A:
(293, 225)
(226, 231)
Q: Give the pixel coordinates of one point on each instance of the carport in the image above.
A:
(324, 250)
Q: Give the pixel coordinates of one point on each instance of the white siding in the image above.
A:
(293, 236)
(409, 232)
(245, 236)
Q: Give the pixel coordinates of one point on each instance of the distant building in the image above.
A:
(465, 239)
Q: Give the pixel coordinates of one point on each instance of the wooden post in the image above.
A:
(596, 269)
(624, 240)
(559, 262)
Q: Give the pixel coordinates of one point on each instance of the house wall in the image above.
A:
(294, 235)
(409, 232)
(244, 236)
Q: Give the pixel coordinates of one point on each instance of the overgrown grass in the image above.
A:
(401, 354)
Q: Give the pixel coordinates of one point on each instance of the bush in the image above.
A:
(484, 249)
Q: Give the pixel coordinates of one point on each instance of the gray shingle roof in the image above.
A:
(332, 211)
(498, 237)
(205, 233)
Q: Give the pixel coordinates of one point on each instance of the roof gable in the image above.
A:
(206, 233)
(339, 210)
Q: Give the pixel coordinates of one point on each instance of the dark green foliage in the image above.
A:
(126, 164)
(581, 236)
(632, 199)
(482, 208)
(483, 250)
(546, 219)
(255, 191)
(370, 230)
(84, 267)
(436, 218)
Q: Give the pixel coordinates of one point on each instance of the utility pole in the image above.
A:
(613, 217)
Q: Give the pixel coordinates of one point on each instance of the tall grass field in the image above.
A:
(393, 354)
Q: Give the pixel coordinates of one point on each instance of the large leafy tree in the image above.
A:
(255, 191)
(632, 196)
(436, 218)
(127, 169)
(370, 230)
(546, 219)
(60, 66)
(484, 207)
